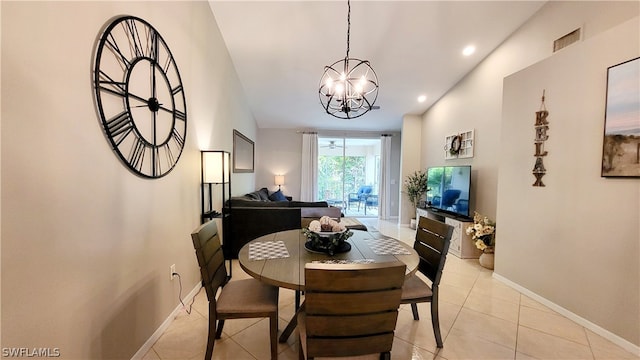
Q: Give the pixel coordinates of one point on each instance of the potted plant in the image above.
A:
(416, 187)
(483, 233)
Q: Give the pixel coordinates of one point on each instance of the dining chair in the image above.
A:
(432, 245)
(350, 309)
(247, 298)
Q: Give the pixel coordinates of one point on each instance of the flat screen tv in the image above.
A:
(448, 189)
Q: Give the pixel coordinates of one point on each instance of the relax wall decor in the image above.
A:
(541, 126)
(621, 144)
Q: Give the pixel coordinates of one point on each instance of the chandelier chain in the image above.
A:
(348, 25)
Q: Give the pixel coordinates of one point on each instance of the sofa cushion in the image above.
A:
(277, 196)
(308, 204)
(241, 202)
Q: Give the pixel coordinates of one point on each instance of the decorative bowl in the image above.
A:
(327, 242)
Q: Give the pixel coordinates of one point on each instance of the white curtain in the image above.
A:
(309, 178)
(385, 177)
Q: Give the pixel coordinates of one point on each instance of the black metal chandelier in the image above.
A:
(348, 87)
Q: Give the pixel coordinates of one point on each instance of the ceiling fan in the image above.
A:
(332, 145)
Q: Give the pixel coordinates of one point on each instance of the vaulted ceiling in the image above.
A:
(280, 49)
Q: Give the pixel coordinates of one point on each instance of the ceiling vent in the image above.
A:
(566, 40)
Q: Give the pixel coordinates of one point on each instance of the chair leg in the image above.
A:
(300, 350)
(219, 330)
(297, 300)
(385, 356)
(414, 310)
(435, 320)
(210, 335)
(273, 331)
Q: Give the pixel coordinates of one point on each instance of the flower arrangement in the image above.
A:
(335, 234)
(416, 186)
(483, 231)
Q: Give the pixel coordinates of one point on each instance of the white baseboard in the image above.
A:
(165, 325)
(623, 343)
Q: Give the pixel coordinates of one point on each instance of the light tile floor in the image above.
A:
(480, 318)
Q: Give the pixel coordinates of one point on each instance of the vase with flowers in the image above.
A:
(483, 233)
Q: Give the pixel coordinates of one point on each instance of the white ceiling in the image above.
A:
(280, 48)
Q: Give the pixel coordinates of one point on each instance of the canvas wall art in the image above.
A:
(621, 145)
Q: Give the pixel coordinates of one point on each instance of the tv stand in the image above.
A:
(461, 245)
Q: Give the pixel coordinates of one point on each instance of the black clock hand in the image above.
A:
(139, 98)
(178, 114)
(152, 103)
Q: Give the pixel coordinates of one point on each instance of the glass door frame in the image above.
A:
(367, 156)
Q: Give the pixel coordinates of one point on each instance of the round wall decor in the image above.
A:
(140, 97)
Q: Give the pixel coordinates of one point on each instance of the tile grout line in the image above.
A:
(466, 298)
(515, 353)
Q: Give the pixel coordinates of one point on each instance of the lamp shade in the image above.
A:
(279, 180)
(215, 167)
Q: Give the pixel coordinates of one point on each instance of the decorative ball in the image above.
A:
(315, 226)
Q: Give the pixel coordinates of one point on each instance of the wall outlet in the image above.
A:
(173, 270)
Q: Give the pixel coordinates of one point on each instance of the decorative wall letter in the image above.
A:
(541, 126)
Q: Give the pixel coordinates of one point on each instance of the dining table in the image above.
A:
(279, 259)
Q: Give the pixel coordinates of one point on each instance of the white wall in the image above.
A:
(476, 102)
(86, 244)
(581, 230)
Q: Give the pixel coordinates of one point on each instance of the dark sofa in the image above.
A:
(253, 215)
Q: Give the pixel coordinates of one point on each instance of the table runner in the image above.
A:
(343, 261)
(267, 250)
(386, 246)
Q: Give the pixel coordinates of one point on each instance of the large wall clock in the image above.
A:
(140, 98)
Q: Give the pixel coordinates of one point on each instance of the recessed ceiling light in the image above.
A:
(470, 49)
(422, 98)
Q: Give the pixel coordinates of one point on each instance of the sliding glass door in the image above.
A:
(349, 174)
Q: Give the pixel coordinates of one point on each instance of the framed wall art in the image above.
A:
(458, 146)
(621, 145)
(243, 152)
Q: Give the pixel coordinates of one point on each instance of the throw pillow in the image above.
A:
(277, 196)
(253, 195)
(264, 194)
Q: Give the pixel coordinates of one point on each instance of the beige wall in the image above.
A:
(86, 244)
(280, 154)
(411, 142)
(581, 230)
(476, 102)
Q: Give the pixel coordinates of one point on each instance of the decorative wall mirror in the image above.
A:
(243, 151)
